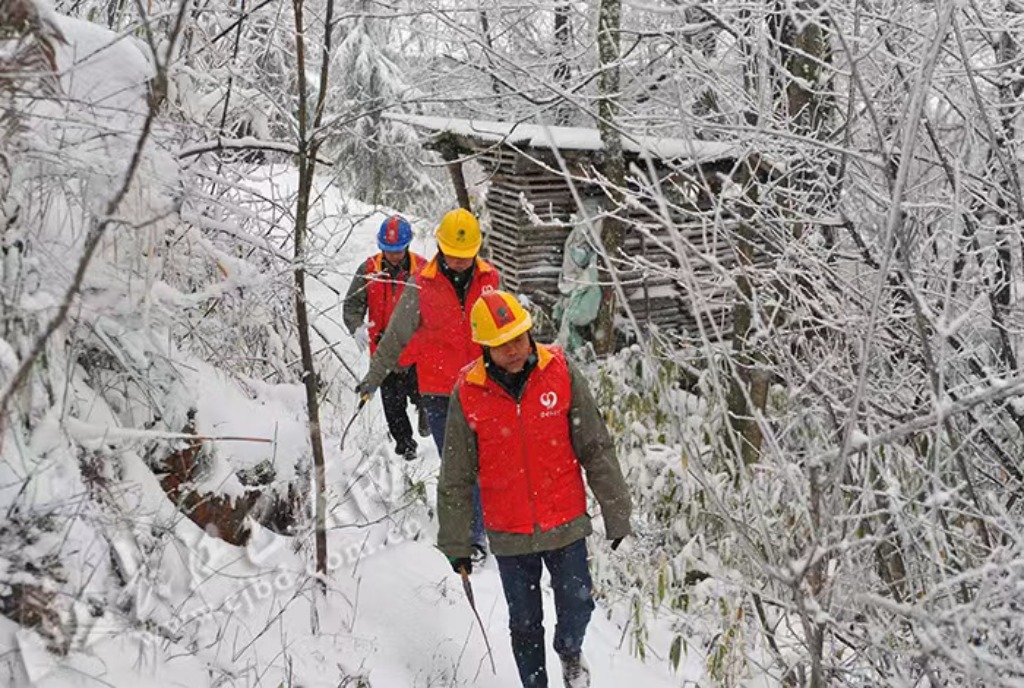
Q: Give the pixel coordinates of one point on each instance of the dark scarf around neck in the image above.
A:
(460, 280)
(513, 383)
(393, 271)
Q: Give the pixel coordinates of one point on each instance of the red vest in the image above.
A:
(382, 294)
(529, 474)
(443, 343)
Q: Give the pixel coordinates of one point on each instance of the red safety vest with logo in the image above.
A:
(529, 474)
(382, 294)
(443, 343)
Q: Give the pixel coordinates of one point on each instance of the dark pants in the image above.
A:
(437, 417)
(398, 389)
(570, 580)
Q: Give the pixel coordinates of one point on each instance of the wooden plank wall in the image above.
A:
(528, 250)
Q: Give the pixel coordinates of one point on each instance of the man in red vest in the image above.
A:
(376, 288)
(522, 423)
(431, 326)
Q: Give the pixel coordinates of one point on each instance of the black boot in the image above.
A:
(424, 426)
(575, 672)
(406, 449)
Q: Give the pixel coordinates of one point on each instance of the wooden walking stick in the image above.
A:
(472, 603)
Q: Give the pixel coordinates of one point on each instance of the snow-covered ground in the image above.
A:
(394, 612)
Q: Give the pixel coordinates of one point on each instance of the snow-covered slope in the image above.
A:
(214, 614)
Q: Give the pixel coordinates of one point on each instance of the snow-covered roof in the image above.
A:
(567, 138)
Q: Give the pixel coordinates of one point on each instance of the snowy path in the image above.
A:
(429, 635)
(409, 600)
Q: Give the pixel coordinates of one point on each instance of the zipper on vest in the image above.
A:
(526, 465)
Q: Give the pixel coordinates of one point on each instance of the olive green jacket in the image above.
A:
(594, 451)
(355, 305)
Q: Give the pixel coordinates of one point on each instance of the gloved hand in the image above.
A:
(362, 337)
(615, 543)
(459, 563)
(364, 390)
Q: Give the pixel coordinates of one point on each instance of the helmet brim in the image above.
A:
(508, 335)
(457, 251)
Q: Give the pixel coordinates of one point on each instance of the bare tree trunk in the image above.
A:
(706, 104)
(814, 629)
(753, 64)
(563, 69)
(485, 29)
(1010, 89)
(231, 78)
(748, 379)
(309, 146)
(806, 57)
(451, 153)
(614, 166)
(805, 54)
(459, 182)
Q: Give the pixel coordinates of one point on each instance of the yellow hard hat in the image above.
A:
(497, 317)
(459, 234)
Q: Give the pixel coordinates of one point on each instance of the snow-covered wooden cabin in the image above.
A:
(531, 208)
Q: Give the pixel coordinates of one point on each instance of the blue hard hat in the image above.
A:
(395, 234)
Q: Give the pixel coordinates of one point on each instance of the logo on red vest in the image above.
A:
(549, 400)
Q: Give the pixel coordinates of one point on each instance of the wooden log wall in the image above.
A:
(527, 247)
(527, 250)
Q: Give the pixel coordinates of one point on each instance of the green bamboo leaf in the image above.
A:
(675, 652)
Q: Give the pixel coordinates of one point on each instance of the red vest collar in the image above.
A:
(477, 375)
(378, 262)
(431, 269)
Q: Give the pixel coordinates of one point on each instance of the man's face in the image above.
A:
(458, 264)
(511, 356)
(394, 257)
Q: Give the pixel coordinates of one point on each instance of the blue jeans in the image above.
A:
(570, 579)
(436, 407)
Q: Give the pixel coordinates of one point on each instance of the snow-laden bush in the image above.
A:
(66, 158)
(92, 219)
(675, 579)
(891, 572)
